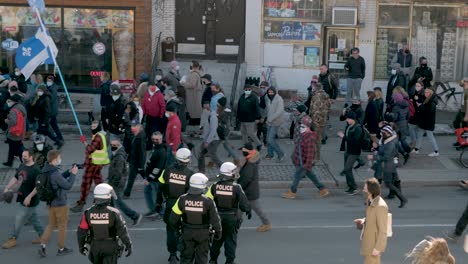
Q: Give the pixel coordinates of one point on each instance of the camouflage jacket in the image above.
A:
(319, 107)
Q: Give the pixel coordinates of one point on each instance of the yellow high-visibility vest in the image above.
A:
(100, 156)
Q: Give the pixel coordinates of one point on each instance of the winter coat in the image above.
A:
(173, 79)
(12, 119)
(137, 155)
(223, 124)
(193, 90)
(173, 133)
(297, 126)
(371, 118)
(118, 170)
(428, 115)
(304, 152)
(61, 184)
(330, 84)
(54, 100)
(319, 108)
(40, 109)
(116, 116)
(40, 157)
(374, 233)
(351, 142)
(422, 72)
(207, 94)
(356, 68)
(156, 163)
(417, 98)
(214, 101)
(248, 109)
(106, 98)
(142, 89)
(357, 109)
(405, 60)
(154, 105)
(400, 113)
(379, 104)
(249, 179)
(387, 151)
(395, 80)
(275, 110)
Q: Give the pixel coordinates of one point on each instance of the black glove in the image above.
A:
(249, 215)
(141, 171)
(217, 235)
(128, 249)
(84, 251)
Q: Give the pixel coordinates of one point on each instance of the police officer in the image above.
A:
(102, 226)
(230, 200)
(199, 218)
(175, 182)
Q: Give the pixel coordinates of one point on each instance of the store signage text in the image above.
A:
(462, 23)
(9, 29)
(96, 73)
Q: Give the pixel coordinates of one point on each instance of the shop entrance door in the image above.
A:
(209, 28)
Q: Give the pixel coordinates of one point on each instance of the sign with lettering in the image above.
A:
(10, 44)
(291, 30)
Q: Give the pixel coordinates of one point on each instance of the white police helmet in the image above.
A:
(184, 155)
(103, 191)
(228, 169)
(199, 181)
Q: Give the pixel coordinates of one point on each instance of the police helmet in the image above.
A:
(103, 191)
(228, 169)
(199, 181)
(184, 155)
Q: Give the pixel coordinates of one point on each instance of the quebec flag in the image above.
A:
(34, 52)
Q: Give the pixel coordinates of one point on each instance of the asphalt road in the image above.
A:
(306, 230)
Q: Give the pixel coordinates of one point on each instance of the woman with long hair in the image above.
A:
(431, 251)
(379, 102)
(400, 114)
(427, 122)
(371, 115)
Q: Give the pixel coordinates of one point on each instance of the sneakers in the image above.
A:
(137, 221)
(36, 241)
(173, 259)
(42, 251)
(352, 192)
(281, 159)
(77, 208)
(415, 151)
(263, 228)
(324, 192)
(289, 195)
(267, 157)
(64, 251)
(10, 243)
(434, 154)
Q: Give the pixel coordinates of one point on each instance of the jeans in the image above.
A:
(229, 149)
(210, 151)
(133, 172)
(24, 214)
(122, 206)
(262, 130)
(55, 127)
(273, 145)
(255, 205)
(353, 89)
(58, 218)
(349, 161)
(298, 176)
(413, 130)
(43, 129)
(462, 222)
(430, 136)
(248, 131)
(151, 190)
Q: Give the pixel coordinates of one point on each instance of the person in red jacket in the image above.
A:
(173, 129)
(154, 107)
(303, 159)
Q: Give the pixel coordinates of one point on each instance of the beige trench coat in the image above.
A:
(193, 94)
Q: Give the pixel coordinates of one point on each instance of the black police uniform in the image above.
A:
(102, 226)
(229, 198)
(174, 183)
(198, 214)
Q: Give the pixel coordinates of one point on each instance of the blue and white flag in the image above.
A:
(39, 4)
(34, 52)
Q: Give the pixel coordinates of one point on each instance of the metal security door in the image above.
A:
(189, 25)
(230, 25)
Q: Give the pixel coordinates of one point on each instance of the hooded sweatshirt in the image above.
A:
(118, 170)
(274, 108)
(61, 184)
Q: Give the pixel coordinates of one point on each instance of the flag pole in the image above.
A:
(59, 72)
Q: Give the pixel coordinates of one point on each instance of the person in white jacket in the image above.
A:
(275, 117)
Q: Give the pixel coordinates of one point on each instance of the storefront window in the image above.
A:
(89, 41)
(303, 9)
(389, 43)
(394, 15)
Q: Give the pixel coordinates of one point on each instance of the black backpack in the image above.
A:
(366, 140)
(44, 188)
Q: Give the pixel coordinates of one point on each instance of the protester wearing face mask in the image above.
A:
(207, 93)
(275, 118)
(54, 105)
(18, 77)
(417, 100)
(422, 73)
(118, 172)
(218, 93)
(40, 150)
(137, 101)
(194, 90)
(130, 115)
(249, 180)
(173, 130)
(404, 58)
(137, 156)
(248, 114)
(303, 159)
(16, 122)
(173, 76)
(318, 110)
(396, 79)
(116, 112)
(96, 157)
(154, 108)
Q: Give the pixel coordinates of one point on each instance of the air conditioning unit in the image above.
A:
(344, 16)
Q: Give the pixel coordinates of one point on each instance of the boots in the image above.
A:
(324, 192)
(264, 228)
(289, 195)
(78, 208)
(9, 243)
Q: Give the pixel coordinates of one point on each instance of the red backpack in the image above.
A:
(18, 129)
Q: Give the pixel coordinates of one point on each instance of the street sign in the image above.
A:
(10, 44)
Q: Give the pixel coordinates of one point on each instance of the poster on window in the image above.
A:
(311, 56)
(292, 30)
(87, 18)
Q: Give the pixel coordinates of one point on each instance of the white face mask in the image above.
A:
(177, 67)
(303, 130)
(10, 104)
(247, 92)
(151, 93)
(167, 114)
(115, 97)
(40, 93)
(59, 161)
(49, 83)
(158, 77)
(137, 103)
(393, 72)
(17, 73)
(40, 147)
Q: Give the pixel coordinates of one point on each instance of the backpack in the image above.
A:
(44, 188)
(366, 140)
(18, 129)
